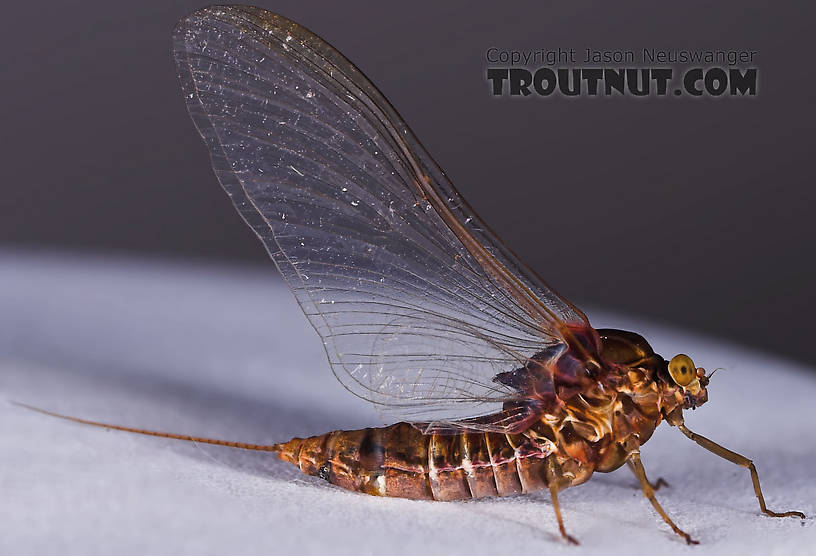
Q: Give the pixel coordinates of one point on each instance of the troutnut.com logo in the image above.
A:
(694, 73)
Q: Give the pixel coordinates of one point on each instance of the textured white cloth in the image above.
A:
(226, 353)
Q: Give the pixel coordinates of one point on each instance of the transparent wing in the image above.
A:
(418, 304)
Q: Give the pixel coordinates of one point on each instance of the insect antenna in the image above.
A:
(196, 439)
(714, 371)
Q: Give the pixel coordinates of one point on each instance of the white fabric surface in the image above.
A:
(225, 352)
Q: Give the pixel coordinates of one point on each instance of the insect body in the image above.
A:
(503, 385)
(595, 430)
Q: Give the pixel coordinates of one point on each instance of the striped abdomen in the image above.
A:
(401, 461)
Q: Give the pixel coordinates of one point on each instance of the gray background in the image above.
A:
(164, 364)
(696, 212)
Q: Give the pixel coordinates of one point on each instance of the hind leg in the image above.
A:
(554, 480)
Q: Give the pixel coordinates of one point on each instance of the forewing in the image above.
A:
(418, 304)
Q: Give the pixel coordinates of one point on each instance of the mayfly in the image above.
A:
(503, 385)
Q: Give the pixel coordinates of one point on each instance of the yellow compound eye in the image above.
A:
(682, 370)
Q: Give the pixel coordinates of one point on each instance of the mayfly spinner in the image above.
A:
(504, 385)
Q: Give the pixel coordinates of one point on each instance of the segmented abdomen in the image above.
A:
(401, 461)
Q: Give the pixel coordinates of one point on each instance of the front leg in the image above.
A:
(740, 460)
(637, 468)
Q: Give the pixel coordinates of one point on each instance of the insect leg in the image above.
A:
(740, 460)
(637, 468)
(660, 482)
(554, 480)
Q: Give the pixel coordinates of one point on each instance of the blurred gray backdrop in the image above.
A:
(695, 212)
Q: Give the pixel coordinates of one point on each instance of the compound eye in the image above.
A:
(682, 369)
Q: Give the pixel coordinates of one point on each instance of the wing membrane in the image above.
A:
(418, 304)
